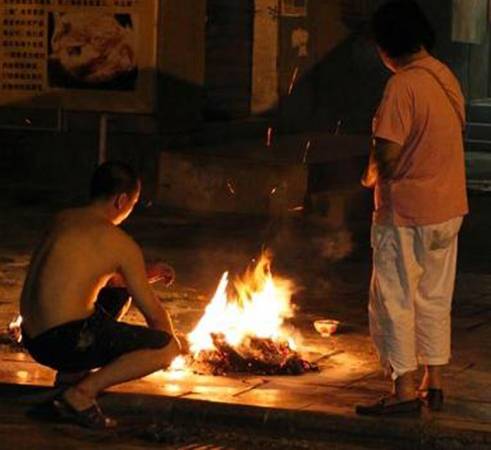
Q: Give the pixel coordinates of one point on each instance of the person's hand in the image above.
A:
(160, 271)
(369, 178)
(183, 343)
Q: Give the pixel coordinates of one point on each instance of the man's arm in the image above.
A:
(156, 271)
(132, 266)
(384, 156)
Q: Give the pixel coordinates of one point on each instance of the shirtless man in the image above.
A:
(70, 314)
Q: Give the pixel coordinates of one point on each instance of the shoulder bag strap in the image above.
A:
(450, 99)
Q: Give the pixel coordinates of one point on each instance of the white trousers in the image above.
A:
(411, 294)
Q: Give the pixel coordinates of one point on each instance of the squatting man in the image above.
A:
(79, 284)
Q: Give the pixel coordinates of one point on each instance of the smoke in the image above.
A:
(335, 246)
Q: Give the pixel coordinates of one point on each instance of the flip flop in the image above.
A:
(384, 408)
(92, 417)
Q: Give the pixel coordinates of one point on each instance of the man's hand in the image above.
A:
(369, 178)
(156, 271)
(160, 271)
(384, 156)
(183, 342)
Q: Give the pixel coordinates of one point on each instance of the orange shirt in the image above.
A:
(428, 185)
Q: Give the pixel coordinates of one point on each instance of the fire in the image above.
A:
(14, 329)
(258, 307)
(244, 323)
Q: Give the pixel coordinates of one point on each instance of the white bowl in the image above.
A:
(326, 327)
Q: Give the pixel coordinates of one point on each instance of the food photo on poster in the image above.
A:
(92, 51)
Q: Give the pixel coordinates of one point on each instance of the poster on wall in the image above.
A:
(96, 55)
(294, 8)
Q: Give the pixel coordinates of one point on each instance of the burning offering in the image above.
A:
(243, 328)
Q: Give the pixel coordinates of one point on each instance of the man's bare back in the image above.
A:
(78, 255)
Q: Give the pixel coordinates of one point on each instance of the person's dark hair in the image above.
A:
(112, 178)
(400, 27)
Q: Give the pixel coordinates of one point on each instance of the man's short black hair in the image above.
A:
(113, 178)
(401, 28)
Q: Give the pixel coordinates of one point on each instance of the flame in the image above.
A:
(178, 364)
(14, 329)
(256, 304)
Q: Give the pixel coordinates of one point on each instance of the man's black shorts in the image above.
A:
(95, 341)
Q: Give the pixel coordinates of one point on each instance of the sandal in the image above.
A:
(92, 417)
(384, 408)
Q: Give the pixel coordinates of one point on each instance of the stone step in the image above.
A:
(479, 111)
(476, 145)
(478, 165)
(211, 183)
(478, 131)
(251, 177)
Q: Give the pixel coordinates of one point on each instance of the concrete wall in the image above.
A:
(470, 62)
(339, 79)
(345, 79)
(264, 95)
(212, 183)
(181, 64)
(65, 157)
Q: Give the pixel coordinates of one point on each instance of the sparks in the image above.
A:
(296, 209)
(293, 80)
(269, 137)
(230, 188)
(306, 152)
(338, 127)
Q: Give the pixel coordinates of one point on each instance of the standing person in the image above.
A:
(418, 173)
(78, 285)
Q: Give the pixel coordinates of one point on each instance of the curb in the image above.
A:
(424, 432)
(414, 433)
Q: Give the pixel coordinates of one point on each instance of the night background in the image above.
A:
(249, 123)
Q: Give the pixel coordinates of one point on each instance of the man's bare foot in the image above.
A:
(403, 388)
(431, 379)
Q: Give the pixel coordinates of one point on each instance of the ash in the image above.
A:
(254, 355)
